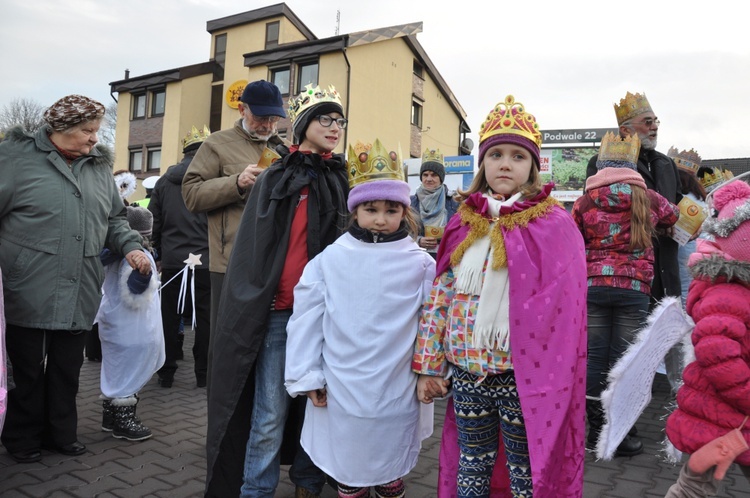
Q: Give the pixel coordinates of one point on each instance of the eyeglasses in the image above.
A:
(326, 120)
(648, 122)
(266, 119)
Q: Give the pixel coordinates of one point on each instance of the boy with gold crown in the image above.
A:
(294, 211)
(506, 318)
(352, 335)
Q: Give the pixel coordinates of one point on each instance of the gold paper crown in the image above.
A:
(310, 97)
(194, 136)
(511, 117)
(368, 163)
(432, 156)
(631, 106)
(689, 160)
(614, 148)
(711, 178)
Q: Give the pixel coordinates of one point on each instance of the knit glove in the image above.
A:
(720, 452)
(137, 282)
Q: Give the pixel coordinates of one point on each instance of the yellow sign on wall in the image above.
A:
(235, 92)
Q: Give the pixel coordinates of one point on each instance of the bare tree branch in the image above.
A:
(109, 123)
(26, 113)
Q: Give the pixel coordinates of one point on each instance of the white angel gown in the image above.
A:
(130, 330)
(356, 311)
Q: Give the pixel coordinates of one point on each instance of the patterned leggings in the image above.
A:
(394, 489)
(482, 411)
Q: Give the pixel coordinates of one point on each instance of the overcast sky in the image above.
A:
(567, 61)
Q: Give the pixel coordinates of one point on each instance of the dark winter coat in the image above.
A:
(660, 174)
(55, 219)
(177, 232)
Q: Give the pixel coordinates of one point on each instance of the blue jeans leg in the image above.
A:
(614, 317)
(270, 409)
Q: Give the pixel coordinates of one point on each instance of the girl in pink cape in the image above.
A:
(506, 320)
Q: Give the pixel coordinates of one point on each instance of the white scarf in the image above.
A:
(492, 325)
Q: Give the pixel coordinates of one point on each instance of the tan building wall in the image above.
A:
(122, 131)
(380, 81)
(440, 124)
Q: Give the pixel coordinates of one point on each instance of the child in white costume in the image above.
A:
(131, 334)
(351, 336)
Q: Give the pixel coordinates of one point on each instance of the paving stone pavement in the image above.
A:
(172, 463)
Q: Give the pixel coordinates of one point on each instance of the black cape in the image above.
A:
(250, 284)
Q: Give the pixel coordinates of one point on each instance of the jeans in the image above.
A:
(614, 317)
(270, 409)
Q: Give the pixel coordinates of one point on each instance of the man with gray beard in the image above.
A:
(635, 117)
(223, 172)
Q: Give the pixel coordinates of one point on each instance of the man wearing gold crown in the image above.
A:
(177, 233)
(432, 202)
(295, 210)
(635, 117)
(224, 170)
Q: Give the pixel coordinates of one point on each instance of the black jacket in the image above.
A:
(177, 232)
(660, 174)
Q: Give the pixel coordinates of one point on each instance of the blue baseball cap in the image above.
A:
(263, 98)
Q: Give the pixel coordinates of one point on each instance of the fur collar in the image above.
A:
(716, 267)
(101, 154)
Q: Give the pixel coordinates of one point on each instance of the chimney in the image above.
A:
(127, 74)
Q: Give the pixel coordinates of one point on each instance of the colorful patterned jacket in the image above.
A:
(603, 216)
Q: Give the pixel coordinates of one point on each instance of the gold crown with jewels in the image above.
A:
(370, 162)
(432, 156)
(614, 148)
(310, 97)
(711, 178)
(195, 136)
(631, 106)
(511, 117)
(689, 160)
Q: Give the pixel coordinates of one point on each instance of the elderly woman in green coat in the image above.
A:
(58, 208)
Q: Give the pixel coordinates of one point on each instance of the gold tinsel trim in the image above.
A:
(479, 227)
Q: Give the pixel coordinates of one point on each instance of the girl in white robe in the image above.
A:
(130, 330)
(351, 340)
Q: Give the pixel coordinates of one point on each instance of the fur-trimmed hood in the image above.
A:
(715, 267)
(103, 155)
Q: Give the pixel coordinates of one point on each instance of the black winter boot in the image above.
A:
(127, 425)
(108, 415)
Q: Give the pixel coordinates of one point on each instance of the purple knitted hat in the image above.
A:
(379, 190)
(509, 138)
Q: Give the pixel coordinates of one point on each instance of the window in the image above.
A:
(220, 49)
(416, 114)
(158, 100)
(272, 35)
(280, 78)
(307, 75)
(154, 159)
(139, 106)
(417, 68)
(136, 161)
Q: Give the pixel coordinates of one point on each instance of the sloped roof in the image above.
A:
(280, 9)
(317, 47)
(163, 77)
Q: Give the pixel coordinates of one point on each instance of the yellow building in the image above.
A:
(389, 87)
